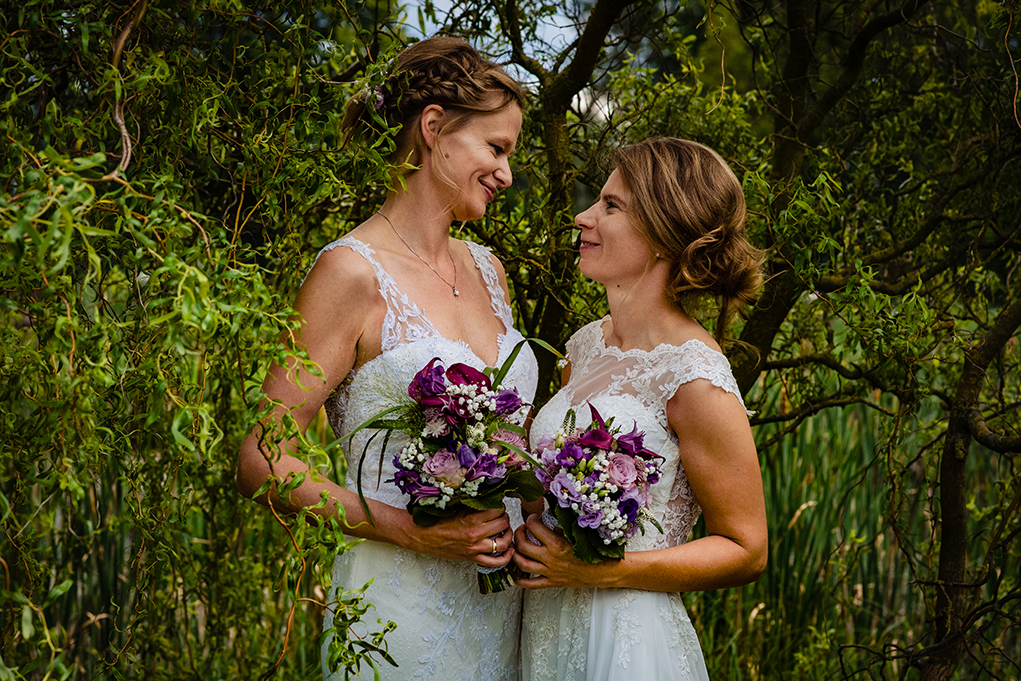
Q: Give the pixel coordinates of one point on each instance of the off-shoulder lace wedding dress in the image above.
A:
(611, 634)
(445, 628)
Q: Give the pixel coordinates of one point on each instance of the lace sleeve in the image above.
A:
(693, 360)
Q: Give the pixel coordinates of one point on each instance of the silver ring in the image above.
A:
(494, 545)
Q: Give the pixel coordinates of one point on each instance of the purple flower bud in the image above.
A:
(460, 374)
(466, 455)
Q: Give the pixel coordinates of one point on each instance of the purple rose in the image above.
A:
(621, 470)
(570, 454)
(562, 487)
(507, 402)
(428, 382)
(459, 374)
(444, 466)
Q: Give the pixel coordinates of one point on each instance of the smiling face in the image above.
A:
(473, 161)
(613, 251)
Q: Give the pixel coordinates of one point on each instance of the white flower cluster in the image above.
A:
(477, 398)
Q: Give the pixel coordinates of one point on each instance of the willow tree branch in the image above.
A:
(118, 111)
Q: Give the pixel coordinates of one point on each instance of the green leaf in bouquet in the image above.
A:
(493, 498)
(426, 515)
(372, 422)
(524, 485)
(520, 452)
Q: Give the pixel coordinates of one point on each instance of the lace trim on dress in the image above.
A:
(687, 362)
(404, 321)
(484, 263)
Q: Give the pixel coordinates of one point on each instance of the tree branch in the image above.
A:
(1004, 444)
(854, 64)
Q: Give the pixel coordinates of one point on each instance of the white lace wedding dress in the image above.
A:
(617, 634)
(445, 628)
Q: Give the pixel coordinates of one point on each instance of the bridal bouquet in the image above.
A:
(463, 452)
(597, 483)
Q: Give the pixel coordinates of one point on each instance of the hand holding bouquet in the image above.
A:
(597, 483)
(464, 451)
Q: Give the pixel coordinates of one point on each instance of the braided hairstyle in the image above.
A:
(440, 70)
(689, 206)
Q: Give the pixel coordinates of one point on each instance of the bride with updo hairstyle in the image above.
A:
(690, 206)
(378, 304)
(666, 234)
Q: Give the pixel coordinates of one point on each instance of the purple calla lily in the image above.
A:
(460, 374)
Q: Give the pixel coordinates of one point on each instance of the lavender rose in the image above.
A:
(444, 466)
(622, 471)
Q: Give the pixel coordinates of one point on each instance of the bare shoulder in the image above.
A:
(341, 310)
(339, 276)
(689, 330)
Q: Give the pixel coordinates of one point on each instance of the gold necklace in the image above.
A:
(453, 287)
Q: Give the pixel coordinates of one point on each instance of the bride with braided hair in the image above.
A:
(377, 305)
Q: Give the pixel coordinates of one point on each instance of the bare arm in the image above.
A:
(719, 457)
(339, 305)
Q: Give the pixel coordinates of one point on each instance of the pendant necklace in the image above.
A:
(453, 287)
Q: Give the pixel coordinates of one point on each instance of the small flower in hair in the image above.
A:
(378, 97)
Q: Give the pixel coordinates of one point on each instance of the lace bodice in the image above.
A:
(634, 386)
(409, 341)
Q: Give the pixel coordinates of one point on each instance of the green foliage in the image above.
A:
(171, 170)
(145, 274)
